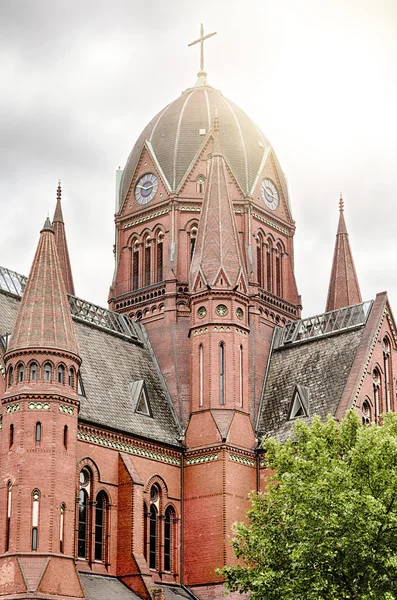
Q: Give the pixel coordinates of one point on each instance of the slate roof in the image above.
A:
(100, 587)
(174, 135)
(110, 364)
(320, 364)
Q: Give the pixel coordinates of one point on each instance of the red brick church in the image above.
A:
(131, 436)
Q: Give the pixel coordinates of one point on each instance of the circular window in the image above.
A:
(84, 477)
(202, 311)
(221, 310)
(239, 313)
(154, 493)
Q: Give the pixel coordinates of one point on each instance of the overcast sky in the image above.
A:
(79, 80)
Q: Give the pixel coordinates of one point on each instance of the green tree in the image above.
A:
(326, 528)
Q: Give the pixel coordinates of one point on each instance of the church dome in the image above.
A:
(177, 133)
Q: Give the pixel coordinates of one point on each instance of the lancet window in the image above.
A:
(35, 518)
(62, 527)
(376, 379)
(21, 372)
(93, 520)
(269, 266)
(279, 271)
(101, 526)
(8, 522)
(200, 184)
(193, 238)
(47, 372)
(135, 266)
(159, 530)
(10, 376)
(159, 257)
(222, 373)
(61, 374)
(147, 261)
(387, 370)
(201, 375)
(366, 412)
(33, 371)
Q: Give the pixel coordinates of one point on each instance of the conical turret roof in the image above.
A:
(61, 244)
(44, 319)
(343, 289)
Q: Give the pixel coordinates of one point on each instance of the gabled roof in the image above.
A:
(111, 361)
(315, 356)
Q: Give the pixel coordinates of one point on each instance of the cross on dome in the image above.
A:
(200, 41)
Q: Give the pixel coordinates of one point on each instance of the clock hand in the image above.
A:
(146, 187)
(269, 192)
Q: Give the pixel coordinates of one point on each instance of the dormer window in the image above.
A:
(140, 398)
(299, 406)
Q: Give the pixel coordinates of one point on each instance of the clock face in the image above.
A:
(146, 188)
(269, 194)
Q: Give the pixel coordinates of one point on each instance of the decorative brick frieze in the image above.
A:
(242, 460)
(67, 410)
(11, 408)
(271, 223)
(39, 406)
(123, 444)
(147, 217)
(204, 458)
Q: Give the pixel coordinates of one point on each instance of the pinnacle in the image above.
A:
(47, 225)
(344, 289)
(58, 216)
(61, 244)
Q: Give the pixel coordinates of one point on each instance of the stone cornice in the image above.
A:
(42, 352)
(34, 396)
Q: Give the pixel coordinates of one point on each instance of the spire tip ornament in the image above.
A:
(341, 202)
(202, 74)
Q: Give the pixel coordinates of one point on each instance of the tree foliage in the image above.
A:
(326, 528)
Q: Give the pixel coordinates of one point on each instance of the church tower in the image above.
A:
(160, 205)
(40, 410)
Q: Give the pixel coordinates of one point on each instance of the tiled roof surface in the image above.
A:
(44, 319)
(100, 587)
(110, 364)
(322, 365)
(174, 134)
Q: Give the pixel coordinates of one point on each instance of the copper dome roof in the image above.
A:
(177, 132)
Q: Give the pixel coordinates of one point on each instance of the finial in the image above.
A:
(59, 191)
(47, 225)
(202, 74)
(341, 203)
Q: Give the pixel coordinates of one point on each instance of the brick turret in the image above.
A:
(219, 437)
(344, 289)
(38, 448)
(61, 244)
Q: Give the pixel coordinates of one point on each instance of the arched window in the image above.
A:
(200, 184)
(159, 257)
(65, 437)
(366, 413)
(10, 376)
(387, 369)
(376, 379)
(11, 439)
(38, 432)
(145, 536)
(72, 377)
(21, 372)
(62, 527)
(193, 238)
(147, 260)
(33, 371)
(222, 373)
(83, 524)
(279, 271)
(153, 537)
(82, 535)
(201, 367)
(135, 266)
(35, 518)
(100, 526)
(47, 372)
(8, 524)
(61, 374)
(241, 376)
(269, 266)
(259, 260)
(168, 538)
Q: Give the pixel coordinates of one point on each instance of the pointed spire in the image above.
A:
(343, 289)
(44, 319)
(58, 216)
(61, 243)
(217, 255)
